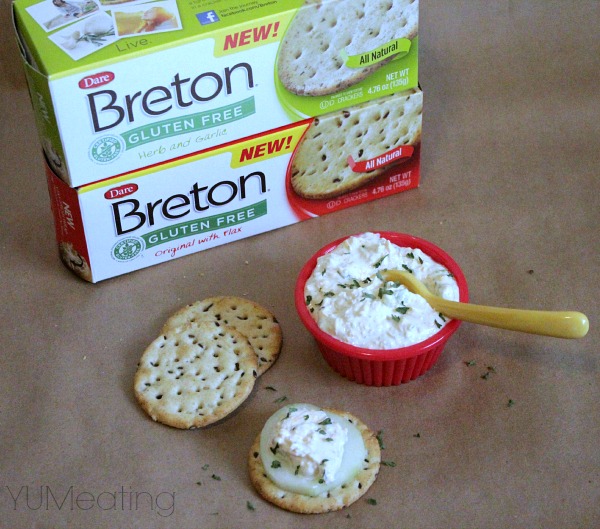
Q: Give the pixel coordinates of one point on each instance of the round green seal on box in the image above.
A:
(127, 249)
(106, 149)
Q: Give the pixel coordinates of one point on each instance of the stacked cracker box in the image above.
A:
(173, 126)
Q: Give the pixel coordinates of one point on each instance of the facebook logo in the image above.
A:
(208, 17)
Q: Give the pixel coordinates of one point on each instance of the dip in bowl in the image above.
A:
(370, 331)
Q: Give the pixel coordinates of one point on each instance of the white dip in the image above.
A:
(308, 450)
(348, 299)
(310, 443)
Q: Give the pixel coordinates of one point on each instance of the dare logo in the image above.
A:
(98, 79)
(121, 191)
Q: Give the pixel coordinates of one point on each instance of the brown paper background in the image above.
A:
(510, 183)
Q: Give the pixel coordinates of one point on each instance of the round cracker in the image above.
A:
(332, 500)
(254, 321)
(194, 376)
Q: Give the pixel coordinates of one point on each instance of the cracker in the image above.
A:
(194, 376)
(333, 500)
(320, 167)
(313, 65)
(74, 261)
(193, 313)
(254, 321)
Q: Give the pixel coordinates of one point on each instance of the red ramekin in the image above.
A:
(381, 367)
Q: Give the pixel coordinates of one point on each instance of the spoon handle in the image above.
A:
(560, 324)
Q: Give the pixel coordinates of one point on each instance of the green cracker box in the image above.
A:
(118, 85)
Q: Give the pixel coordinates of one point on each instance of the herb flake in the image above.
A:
(379, 437)
(378, 263)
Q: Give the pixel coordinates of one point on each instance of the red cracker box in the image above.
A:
(236, 190)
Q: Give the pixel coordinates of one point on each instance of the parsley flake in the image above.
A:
(380, 261)
(275, 464)
(367, 296)
(385, 292)
(379, 437)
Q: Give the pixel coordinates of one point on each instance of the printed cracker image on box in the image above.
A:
(228, 193)
(119, 85)
(346, 149)
(334, 45)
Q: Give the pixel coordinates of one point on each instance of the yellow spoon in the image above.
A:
(559, 324)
